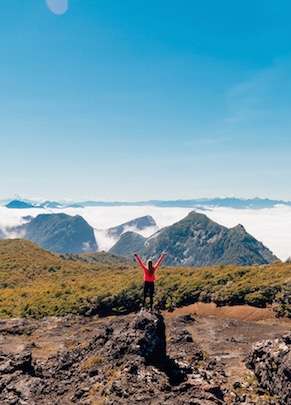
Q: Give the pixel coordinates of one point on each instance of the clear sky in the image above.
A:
(141, 99)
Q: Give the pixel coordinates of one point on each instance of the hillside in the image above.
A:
(60, 233)
(128, 244)
(196, 240)
(97, 258)
(36, 283)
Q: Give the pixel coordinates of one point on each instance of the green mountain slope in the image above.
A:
(129, 243)
(60, 233)
(196, 240)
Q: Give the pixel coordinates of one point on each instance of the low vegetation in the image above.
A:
(36, 283)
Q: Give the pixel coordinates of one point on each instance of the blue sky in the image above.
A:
(141, 99)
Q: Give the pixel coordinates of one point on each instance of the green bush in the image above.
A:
(30, 289)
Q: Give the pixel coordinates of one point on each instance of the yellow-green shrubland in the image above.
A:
(36, 283)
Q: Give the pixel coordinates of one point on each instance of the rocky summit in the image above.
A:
(141, 358)
(124, 361)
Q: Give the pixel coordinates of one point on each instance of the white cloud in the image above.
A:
(86, 246)
(104, 241)
(58, 7)
(270, 226)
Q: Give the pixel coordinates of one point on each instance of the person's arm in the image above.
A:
(140, 262)
(159, 261)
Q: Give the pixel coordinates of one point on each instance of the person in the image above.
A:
(149, 277)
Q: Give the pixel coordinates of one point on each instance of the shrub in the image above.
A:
(257, 299)
(30, 288)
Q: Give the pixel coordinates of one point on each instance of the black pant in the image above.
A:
(148, 290)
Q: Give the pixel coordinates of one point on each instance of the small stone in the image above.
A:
(236, 385)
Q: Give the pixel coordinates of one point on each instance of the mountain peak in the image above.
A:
(194, 215)
(239, 228)
(135, 225)
(19, 204)
(197, 240)
(60, 233)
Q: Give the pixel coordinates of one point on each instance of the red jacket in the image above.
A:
(149, 276)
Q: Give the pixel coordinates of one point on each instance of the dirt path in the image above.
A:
(240, 312)
(228, 333)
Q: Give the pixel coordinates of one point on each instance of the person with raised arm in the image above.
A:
(149, 277)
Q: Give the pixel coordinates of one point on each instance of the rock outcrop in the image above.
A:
(270, 361)
(125, 361)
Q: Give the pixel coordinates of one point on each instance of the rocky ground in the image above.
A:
(182, 358)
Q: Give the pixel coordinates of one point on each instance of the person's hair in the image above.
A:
(150, 266)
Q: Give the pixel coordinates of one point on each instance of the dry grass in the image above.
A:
(36, 283)
(90, 362)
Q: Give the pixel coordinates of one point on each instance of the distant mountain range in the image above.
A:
(24, 204)
(198, 241)
(254, 203)
(195, 240)
(17, 204)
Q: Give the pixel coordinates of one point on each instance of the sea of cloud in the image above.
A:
(271, 226)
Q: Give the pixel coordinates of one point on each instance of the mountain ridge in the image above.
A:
(136, 224)
(230, 202)
(196, 240)
(128, 244)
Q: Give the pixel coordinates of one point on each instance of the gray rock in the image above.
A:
(126, 360)
(270, 361)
